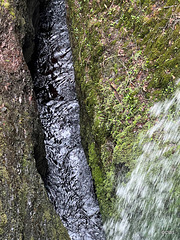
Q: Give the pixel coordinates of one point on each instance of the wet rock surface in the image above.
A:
(25, 210)
(68, 181)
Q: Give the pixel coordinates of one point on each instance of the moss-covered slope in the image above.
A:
(25, 211)
(126, 56)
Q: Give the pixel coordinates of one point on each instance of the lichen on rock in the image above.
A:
(25, 211)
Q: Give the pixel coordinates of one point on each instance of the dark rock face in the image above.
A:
(25, 211)
(68, 180)
(32, 21)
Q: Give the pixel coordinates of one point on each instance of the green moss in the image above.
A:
(126, 56)
(3, 219)
(8, 5)
(47, 215)
(103, 176)
(95, 165)
(4, 176)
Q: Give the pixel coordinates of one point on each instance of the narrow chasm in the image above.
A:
(60, 158)
(29, 52)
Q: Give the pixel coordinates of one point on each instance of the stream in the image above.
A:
(147, 206)
(68, 180)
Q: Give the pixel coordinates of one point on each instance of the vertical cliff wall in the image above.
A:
(126, 57)
(25, 211)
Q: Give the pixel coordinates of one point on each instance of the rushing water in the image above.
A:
(68, 182)
(149, 205)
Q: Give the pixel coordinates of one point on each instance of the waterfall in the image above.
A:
(148, 204)
(68, 180)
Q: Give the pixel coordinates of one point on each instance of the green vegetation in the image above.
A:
(24, 205)
(126, 57)
(8, 5)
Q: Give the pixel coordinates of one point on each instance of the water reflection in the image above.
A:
(68, 182)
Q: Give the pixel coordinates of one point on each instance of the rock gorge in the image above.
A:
(25, 210)
(126, 57)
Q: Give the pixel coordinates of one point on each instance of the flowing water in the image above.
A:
(68, 182)
(149, 205)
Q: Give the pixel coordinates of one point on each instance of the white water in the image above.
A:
(148, 207)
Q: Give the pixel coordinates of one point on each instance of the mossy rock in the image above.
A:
(126, 57)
